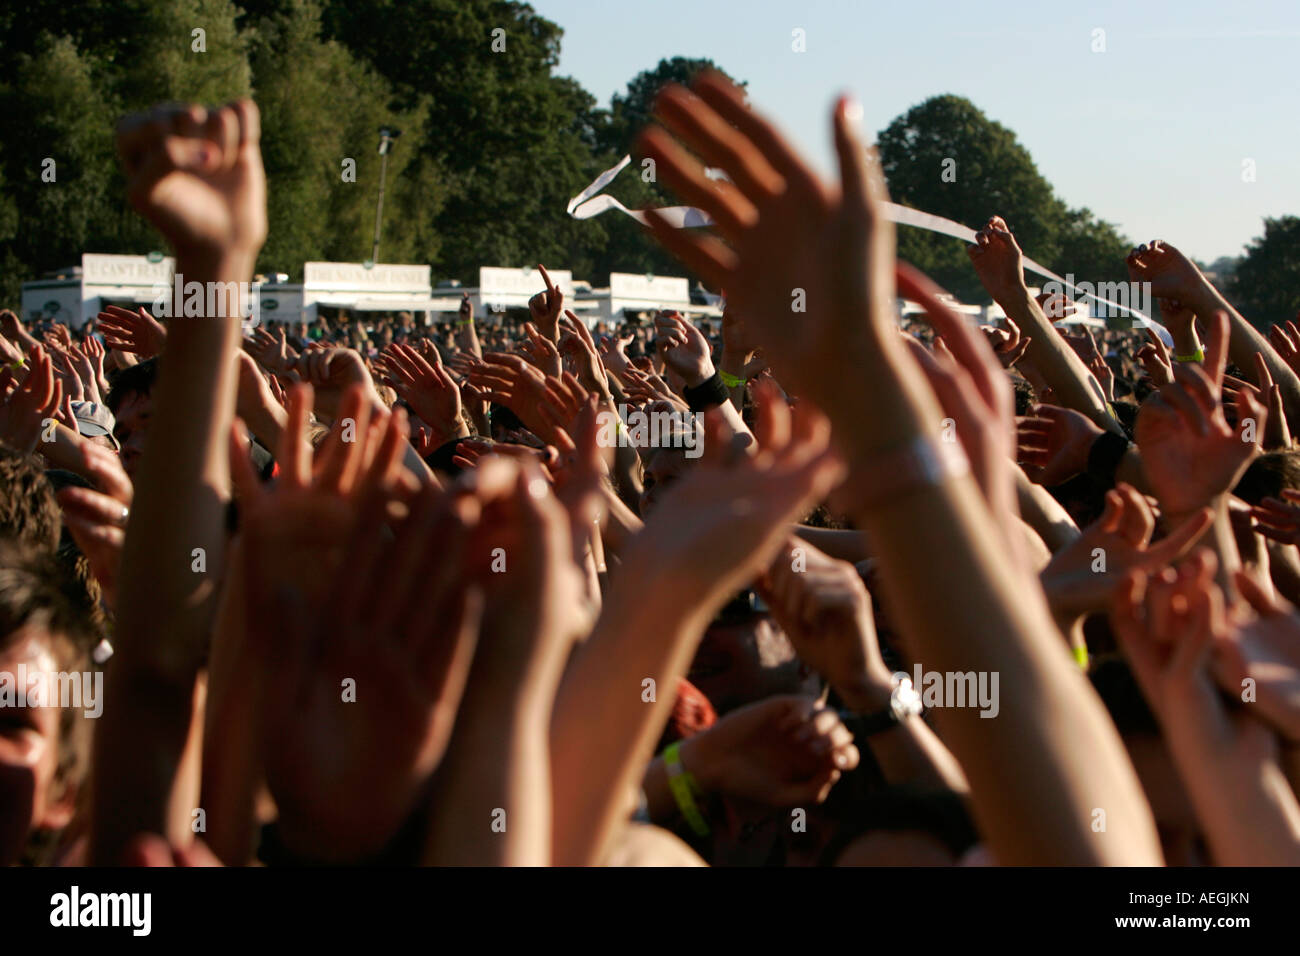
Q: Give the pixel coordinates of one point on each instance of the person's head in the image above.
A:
(29, 512)
(1268, 475)
(130, 400)
(95, 424)
(661, 468)
(43, 747)
(745, 657)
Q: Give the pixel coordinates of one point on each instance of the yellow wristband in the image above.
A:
(729, 380)
(683, 788)
(1081, 656)
(1197, 356)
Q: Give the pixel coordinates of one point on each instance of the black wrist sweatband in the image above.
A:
(1104, 458)
(710, 393)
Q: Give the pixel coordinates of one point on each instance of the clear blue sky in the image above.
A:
(1150, 135)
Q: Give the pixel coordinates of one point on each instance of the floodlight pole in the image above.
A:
(386, 138)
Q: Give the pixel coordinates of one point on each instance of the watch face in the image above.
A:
(905, 701)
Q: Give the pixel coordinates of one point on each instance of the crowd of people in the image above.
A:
(375, 591)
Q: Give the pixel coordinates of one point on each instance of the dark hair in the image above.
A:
(1024, 395)
(28, 510)
(134, 380)
(35, 592)
(1268, 475)
(1126, 413)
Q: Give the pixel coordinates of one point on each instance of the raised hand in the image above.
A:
(27, 406)
(545, 307)
(134, 331)
(95, 351)
(540, 351)
(782, 751)
(971, 388)
(1190, 454)
(84, 368)
(1277, 433)
(1172, 628)
(1286, 341)
(613, 354)
(429, 389)
(1279, 520)
(644, 388)
(331, 370)
(1181, 322)
(1154, 357)
(13, 330)
(998, 261)
(1171, 274)
(794, 461)
(1265, 647)
(577, 345)
(331, 599)
(825, 610)
(790, 240)
(1055, 305)
(1008, 344)
(499, 755)
(96, 517)
(197, 176)
(1082, 576)
(1084, 345)
(271, 351)
(1053, 443)
(683, 348)
(712, 532)
(544, 404)
(73, 388)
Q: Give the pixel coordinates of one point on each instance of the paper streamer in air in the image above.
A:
(590, 203)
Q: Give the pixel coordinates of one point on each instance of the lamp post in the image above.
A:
(387, 136)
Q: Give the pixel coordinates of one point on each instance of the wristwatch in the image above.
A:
(904, 702)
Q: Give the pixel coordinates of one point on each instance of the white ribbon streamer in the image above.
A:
(587, 204)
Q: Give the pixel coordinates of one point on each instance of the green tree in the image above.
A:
(321, 112)
(187, 51)
(507, 138)
(1091, 249)
(1266, 286)
(946, 157)
(64, 187)
(631, 111)
(625, 245)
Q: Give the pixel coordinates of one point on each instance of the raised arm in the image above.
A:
(926, 518)
(197, 176)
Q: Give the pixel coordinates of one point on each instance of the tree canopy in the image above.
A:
(494, 141)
